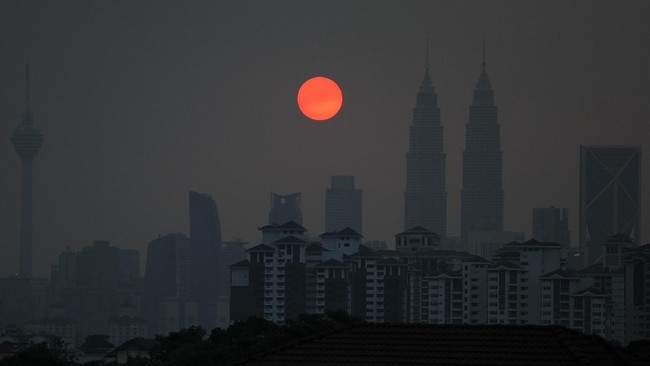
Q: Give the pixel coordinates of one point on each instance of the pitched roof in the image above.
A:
(589, 290)
(565, 273)
(364, 251)
(348, 232)
(505, 264)
(241, 264)
(289, 240)
(417, 229)
(343, 232)
(261, 248)
(449, 344)
(475, 259)
(289, 225)
(332, 263)
(501, 253)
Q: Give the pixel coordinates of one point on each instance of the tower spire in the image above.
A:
(483, 64)
(427, 59)
(28, 112)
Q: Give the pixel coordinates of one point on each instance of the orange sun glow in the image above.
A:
(320, 98)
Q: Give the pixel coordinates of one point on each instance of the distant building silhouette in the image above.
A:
(343, 204)
(232, 251)
(425, 199)
(27, 141)
(610, 195)
(92, 283)
(482, 192)
(126, 325)
(551, 224)
(285, 208)
(487, 243)
(416, 239)
(205, 247)
(167, 275)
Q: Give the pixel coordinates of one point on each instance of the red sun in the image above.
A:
(320, 98)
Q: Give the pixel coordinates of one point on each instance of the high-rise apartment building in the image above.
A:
(525, 282)
(551, 224)
(425, 199)
(482, 192)
(343, 204)
(610, 196)
(27, 141)
(285, 208)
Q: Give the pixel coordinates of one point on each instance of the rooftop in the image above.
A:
(444, 345)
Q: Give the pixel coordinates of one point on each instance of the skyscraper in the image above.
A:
(166, 276)
(285, 208)
(425, 199)
(343, 204)
(551, 224)
(482, 193)
(27, 141)
(610, 196)
(205, 246)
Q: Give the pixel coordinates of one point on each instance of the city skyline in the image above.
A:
(140, 109)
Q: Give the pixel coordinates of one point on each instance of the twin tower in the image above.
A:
(425, 199)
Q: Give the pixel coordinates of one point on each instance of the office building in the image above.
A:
(610, 196)
(482, 192)
(285, 208)
(205, 246)
(166, 277)
(425, 199)
(343, 204)
(551, 224)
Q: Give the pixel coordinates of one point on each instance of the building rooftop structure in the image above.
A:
(420, 344)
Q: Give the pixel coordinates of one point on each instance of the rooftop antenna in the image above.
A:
(27, 107)
(427, 60)
(483, 64)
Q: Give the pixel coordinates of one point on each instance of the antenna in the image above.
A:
(27, 107)
(427, 59)
(483, 64)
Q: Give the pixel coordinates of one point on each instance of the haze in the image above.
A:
(140, 102)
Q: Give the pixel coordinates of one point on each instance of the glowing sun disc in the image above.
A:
(320, 98)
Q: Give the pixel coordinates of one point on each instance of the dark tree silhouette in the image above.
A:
(39, 355)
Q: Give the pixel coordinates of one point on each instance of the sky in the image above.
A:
(141, 101)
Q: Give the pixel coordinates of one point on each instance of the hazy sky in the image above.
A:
(141, 101)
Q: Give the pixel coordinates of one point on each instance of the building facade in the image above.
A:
(551, 224)
(205, 255)
(525, 282)
(610, 196)
(425, 199)
(285, 208)
(166, 277)
(482, 192)
(343, 205)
